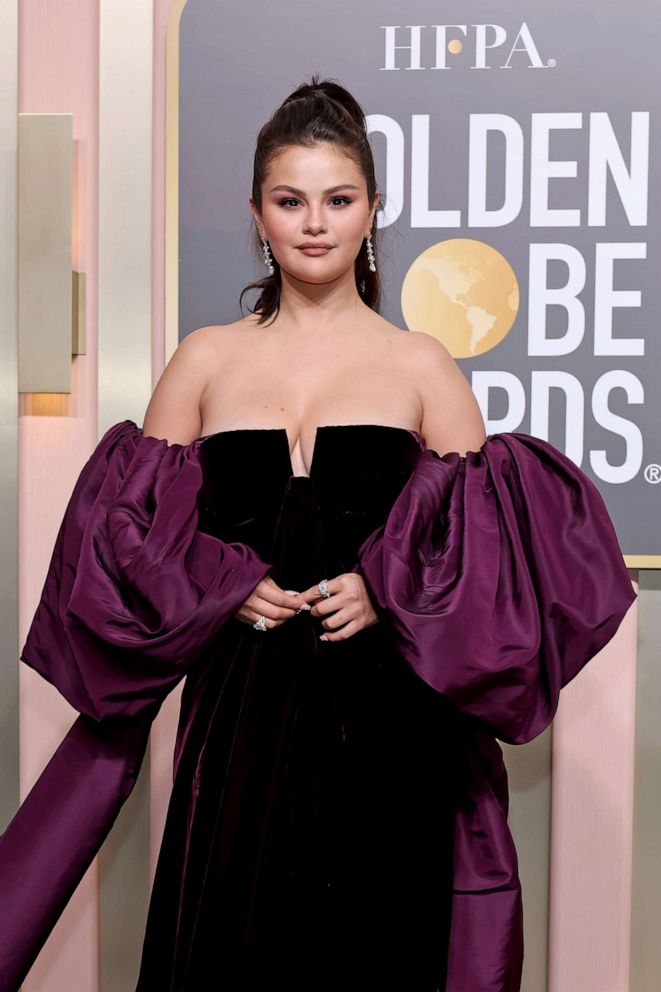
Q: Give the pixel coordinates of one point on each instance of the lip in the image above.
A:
(314, 249)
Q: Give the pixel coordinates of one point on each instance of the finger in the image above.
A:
(338, 619)
(251, 617)
(342, 634)
(330, 604)
(313, 591)
(311, 598)
(248, 615)
(263, 607)
(291, 600)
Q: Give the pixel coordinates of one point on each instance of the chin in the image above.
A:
(317, 275)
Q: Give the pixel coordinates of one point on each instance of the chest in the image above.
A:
(300, 390)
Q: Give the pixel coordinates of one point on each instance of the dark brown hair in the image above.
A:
(318, 111)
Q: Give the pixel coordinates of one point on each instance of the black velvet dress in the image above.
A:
(309, 837)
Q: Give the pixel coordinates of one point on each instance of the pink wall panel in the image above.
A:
(58, 72)
(165, 725)
(592, 821)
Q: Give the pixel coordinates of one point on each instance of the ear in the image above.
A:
(377, 200)
(257, 218)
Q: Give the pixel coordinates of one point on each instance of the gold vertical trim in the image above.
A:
(79, 309)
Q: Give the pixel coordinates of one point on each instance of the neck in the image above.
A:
(323, 305)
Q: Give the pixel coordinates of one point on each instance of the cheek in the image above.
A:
(279, 223)
(352, 227)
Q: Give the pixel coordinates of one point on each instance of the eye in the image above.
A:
(285, 201)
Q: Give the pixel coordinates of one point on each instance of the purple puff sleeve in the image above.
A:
(134, 594)
(501, 576)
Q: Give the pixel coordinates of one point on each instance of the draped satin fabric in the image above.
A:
(133, 596)
(498, 575)
(501, 576)
(134, 591)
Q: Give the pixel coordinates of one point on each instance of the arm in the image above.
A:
(174, 411)
(451, 419)
(501, 576)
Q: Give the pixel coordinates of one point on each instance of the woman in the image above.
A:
(315, 354)
(363, 591)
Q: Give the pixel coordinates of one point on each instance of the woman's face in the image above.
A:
(315, 195)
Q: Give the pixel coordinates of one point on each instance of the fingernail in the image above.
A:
(322, 637)
(293, 592)
(305, 606)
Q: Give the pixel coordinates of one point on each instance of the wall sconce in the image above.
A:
(51, 297)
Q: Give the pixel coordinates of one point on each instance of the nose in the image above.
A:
(314, 221)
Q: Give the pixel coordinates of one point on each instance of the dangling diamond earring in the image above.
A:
(268, 262)
(370, 253)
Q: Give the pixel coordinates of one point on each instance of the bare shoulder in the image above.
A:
(207, 345)
(451, 419)
(208, 338)
(423, 348)
(426, 359)
(173, 411)
(175, 408)
(418, 347)
(214, 337)
(396, 338)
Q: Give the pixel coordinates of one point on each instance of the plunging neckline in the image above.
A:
(282, 431)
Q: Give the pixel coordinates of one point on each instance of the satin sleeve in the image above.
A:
(133, 596)
(501, 576)
(134, 592)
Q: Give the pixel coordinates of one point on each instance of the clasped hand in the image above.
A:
(347, 610)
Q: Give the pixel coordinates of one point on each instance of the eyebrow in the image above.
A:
(299, 192)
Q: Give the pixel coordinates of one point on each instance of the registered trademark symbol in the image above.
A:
(551, 63)
(653, 473)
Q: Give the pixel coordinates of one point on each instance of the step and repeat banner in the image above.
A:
(515, 148)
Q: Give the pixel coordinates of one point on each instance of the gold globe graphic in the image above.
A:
(464, 293)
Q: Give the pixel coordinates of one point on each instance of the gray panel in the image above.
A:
(646, 877)
(45, 197)
(577, 66)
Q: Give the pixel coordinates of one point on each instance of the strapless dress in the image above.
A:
(308, 843)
